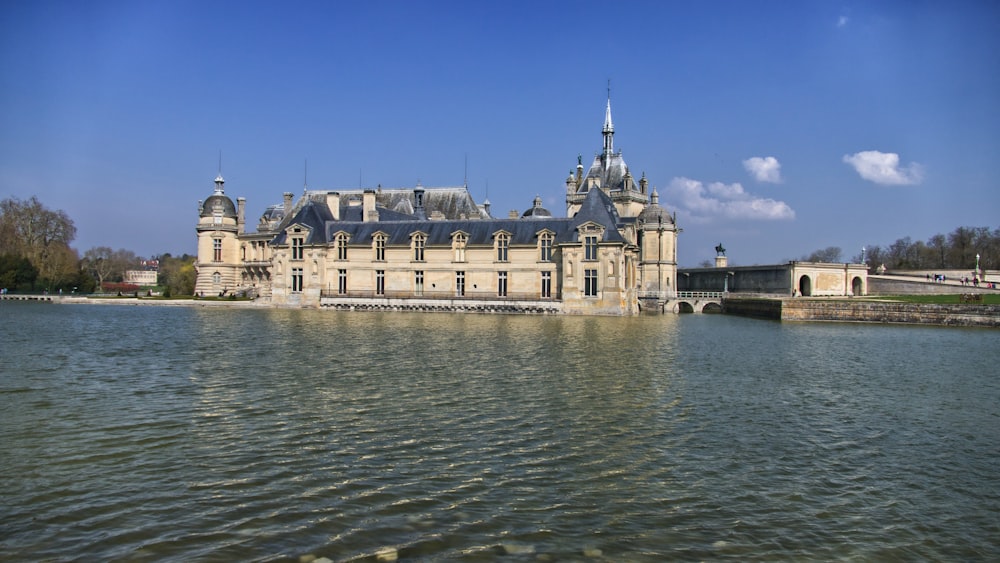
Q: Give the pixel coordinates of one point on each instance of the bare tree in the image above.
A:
(830, 254)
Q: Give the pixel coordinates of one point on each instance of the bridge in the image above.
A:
(681, 301)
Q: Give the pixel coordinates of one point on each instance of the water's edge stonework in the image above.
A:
(850, 310)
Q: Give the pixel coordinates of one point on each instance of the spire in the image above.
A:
(219, 190)
(609, 127)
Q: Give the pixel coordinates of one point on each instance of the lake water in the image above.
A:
(179, 434)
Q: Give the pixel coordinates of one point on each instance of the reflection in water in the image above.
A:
(162, 433)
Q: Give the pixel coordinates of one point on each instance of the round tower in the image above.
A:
(218, 262)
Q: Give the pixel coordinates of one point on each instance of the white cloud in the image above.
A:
(766, 169)
(842, 21)
(883, 168)
(728, 201)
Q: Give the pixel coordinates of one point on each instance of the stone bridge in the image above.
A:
(681, 302)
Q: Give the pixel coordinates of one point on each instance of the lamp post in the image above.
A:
(977, 263)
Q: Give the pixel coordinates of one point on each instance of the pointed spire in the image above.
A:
(609, 127)
(219, 181)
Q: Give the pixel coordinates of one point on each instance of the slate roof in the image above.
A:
(398, 227)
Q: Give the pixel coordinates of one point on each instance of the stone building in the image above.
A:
(436, 249)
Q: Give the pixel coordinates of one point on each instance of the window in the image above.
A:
(501, 284)
(379, 282)
(546, 284)
(341, 246)
(217, 250)
(545, 247)
(419, 241)
(243, 252)
(380, 248)
(459, 245)
(460, 284)
(590, 283)
(296, 280)
(297, 248)
(503, 246)
(590, 247)
(418, 283)
(216, 278)
(342, 282)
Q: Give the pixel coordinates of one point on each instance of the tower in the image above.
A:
(218, 263)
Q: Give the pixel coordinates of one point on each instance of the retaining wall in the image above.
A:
(845, 310)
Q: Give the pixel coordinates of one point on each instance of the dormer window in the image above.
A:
(379, 245)
(502, 243)
(458, 244)
(545, 241)
(341, 244)
(419, 243)
(590, 247)
(298, 248)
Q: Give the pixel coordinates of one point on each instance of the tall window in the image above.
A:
(545, 247)
(342, 282)
(590, 283)
(418, 283)
(379, 282)
(341, 246)
(296, 280)
(216, 278)
(501, 284)
(503, 246)
(217, 250)
(546, 284)
(419, 242)
(380, 248)
(460, 284)
(459, 245)
(297, 248)
(590, 247)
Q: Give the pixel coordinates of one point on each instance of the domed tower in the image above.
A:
(657, 249)
(219, 225)
(608, 172)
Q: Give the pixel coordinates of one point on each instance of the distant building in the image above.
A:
(140, 277)
(436, 249)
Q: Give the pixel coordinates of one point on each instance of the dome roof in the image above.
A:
(218, 200)
(537, 211)
(653, 213)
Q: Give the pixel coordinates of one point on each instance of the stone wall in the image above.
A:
(844, 310)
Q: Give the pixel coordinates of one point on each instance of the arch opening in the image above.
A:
(805, 286)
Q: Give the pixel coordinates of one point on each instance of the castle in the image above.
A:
(437, 249)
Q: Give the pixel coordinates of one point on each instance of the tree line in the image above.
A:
(35, 255)
(955, 251)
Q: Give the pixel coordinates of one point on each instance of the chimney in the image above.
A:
(333, 202)
(241, 214)
(368, 211)
(288, 203)
(512, 214)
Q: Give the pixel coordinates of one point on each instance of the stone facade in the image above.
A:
(807, 279)
(404, 247)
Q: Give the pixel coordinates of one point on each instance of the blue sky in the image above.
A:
(776, 128)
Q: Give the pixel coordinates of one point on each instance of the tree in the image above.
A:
(829, 254)
(939, 245)
(17, 272)
(177, 275)
(42, 236)
(98, 262)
